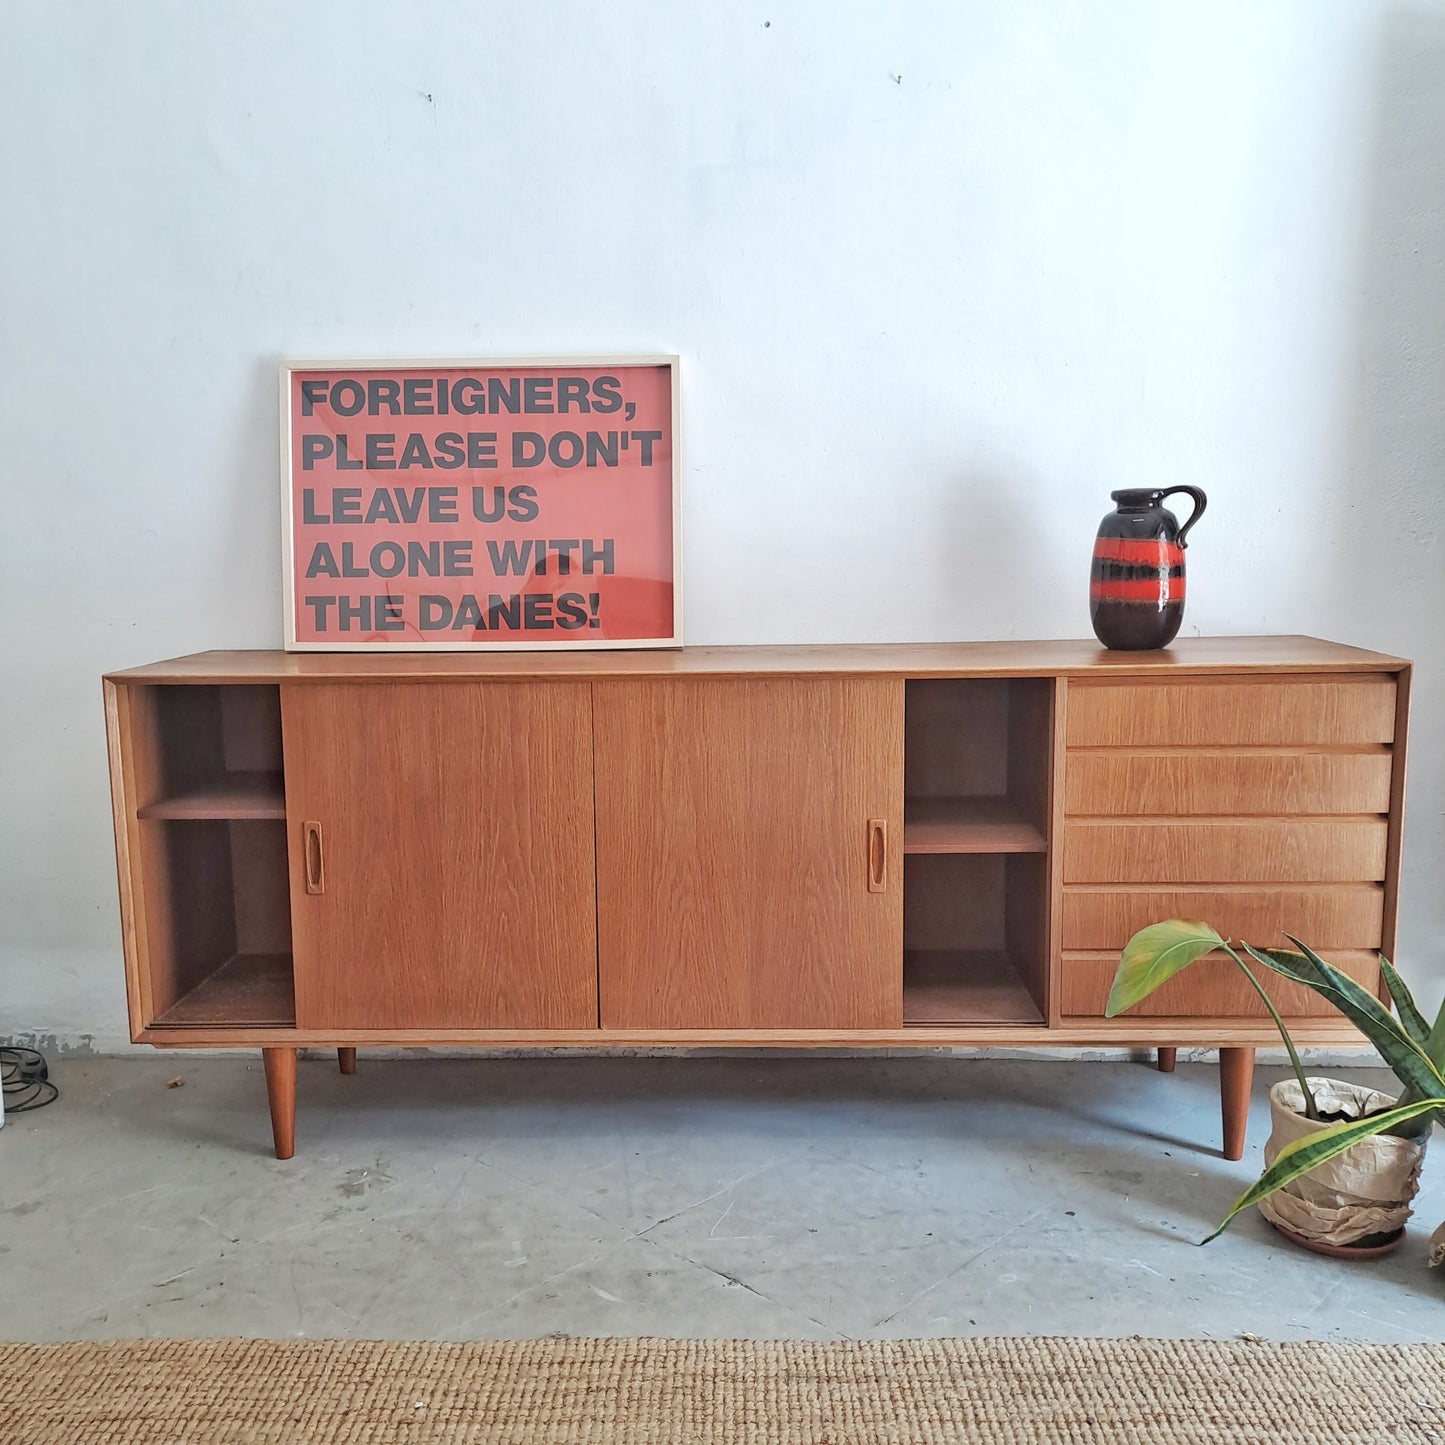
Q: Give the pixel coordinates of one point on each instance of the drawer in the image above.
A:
(1207, 850)
(1237, 783)
(1210, 988)
(1349, 916)
(1267, 712)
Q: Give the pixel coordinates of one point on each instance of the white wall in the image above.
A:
(941, 276)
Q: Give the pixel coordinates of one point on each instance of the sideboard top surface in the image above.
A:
(1261, 655)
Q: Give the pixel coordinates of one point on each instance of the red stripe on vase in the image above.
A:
(1147, 589)
(1152, 551)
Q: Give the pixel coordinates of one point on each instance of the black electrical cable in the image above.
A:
(26, 1080)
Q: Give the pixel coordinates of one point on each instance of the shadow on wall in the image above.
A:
(1392, 595)
(255, 532)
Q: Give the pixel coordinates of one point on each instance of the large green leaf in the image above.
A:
(1411, 1019)
(1153, 956)
(1406, 1058)
(1314, 1149)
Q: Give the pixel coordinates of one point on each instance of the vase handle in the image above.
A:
(1200, 502)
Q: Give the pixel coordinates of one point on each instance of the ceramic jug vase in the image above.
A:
(1136, 585)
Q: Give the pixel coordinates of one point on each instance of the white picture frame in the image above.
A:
(573, 623)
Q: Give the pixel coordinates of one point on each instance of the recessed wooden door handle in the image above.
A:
(315, 863)
(877, 855)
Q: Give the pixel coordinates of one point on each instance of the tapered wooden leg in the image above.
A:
(281, 1094)
(347, 1059)
(1236, 1074)
(1166, 1060)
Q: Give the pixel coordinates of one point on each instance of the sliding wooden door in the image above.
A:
(749, 851)
(441, 854)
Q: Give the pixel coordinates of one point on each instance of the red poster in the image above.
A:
(480, 504)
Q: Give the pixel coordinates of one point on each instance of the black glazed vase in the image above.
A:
(1136, 585)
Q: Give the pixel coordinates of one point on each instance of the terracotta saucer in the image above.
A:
(1345, 1251)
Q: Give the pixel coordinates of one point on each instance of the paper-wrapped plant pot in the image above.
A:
(1363, 1193)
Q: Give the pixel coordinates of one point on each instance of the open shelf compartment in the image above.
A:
(976, 768)
(975, 939)
(976, 765)
(208, 752)
(218, 923)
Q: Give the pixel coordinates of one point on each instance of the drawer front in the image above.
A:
(1200, 851)
(1241, 784)
(1349, 916)
(1210, 988)
(1264, 713)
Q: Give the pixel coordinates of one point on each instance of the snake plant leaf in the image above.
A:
(1361, 997)
(1435, 1044)
(1314, 1149)
(1411, 1019)
(1386, 1026)
(1296, 967)
(1406, 1058)
(1153, 956)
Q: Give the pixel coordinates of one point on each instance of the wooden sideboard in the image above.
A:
(872, 846)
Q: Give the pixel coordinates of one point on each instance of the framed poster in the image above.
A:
(451, 505)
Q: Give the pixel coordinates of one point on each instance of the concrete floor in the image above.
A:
(787, 1196)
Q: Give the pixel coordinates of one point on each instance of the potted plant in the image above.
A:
(1342, 1164)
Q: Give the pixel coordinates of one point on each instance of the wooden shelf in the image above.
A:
(968, 825)
(232, 795)
(965, 986)
(251, 989)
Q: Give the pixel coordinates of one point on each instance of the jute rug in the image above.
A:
(607, 1392)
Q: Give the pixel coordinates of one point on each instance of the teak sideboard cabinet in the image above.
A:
(875, 846)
